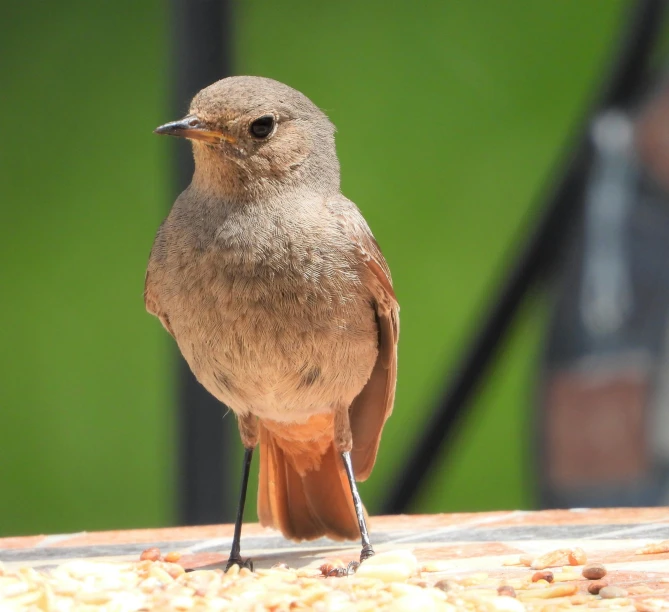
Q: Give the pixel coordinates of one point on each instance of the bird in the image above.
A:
(279, 298)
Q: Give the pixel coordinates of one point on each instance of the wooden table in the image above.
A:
(471, 543)
(477, 541)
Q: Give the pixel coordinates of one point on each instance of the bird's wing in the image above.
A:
(150, 294)
(374, 404)
(151, 303)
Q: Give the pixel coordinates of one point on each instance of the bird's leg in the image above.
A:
(248, 429)
(344, 444)
(367, 550)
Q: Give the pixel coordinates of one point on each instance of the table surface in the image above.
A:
(476, 542)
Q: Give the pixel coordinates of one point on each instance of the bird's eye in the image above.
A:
(262, 127)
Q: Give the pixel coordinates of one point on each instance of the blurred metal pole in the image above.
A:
(627, 77)
(201, 55)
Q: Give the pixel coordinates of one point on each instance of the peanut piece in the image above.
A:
(611, 592)
(550, 559)
(506, 590)
(595, 587)
(150, 554)
(594, 571)
(543, 575)
(577, 556)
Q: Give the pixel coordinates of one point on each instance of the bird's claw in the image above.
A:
(240, 562)
(352, 568)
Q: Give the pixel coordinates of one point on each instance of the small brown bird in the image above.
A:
(281, 302)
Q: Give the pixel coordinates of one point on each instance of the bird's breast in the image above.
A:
(276, 324)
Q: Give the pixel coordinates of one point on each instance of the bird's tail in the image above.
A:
(303, 490)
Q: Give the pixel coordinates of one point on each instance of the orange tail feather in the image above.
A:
(304, 503)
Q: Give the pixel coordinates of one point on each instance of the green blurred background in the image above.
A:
(451, 118)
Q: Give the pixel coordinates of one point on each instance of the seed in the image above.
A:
(506, 590)
(175, 570)
(651, 605)
(611, 592)
(172, 557)
(566, 576)
(15, 589)
(654, 549)
(557, 590)
(403, 557)
(400, 589)
(499, 604)
(182, 603)
(577, 556)
(550, 559)
(307, 572)
(543, 575)
(596, 586)
(436, 566)
(594, 571)
(474, 579)
(160, 574)
(388, 572)
(389, 566)
(415, 601)
(93, 597)
(448, 584)
(284, 566)
(150, 554)
(26, 600)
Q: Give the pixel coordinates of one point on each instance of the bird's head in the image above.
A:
(251, 135)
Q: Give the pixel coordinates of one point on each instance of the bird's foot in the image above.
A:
(240, 562)
(352, 568)
(366, 553)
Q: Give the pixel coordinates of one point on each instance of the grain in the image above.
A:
(557, 590)
(525, 560)
(389, 572)
(390, 581)
(654, 549)
(473, 579)
(436, 566)
(93, 597)
(550, 559)
(566, 576)
(652, 605)
(502, 604)
(390, 566)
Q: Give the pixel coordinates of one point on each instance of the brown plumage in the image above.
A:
(279, 298)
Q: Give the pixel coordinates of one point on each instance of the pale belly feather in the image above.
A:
(281, 347)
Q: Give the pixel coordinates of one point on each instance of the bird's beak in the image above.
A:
(191, 127)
